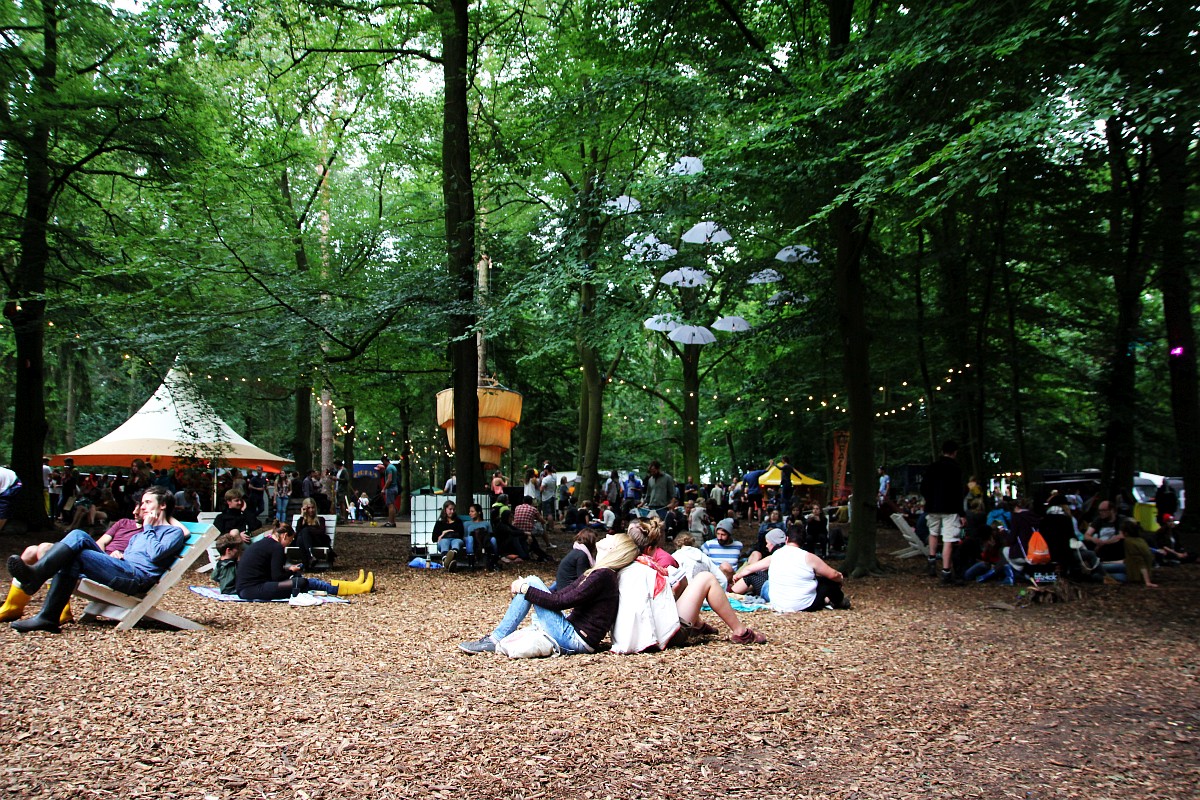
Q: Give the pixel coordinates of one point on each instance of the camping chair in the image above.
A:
(104, 601)
(914, 546)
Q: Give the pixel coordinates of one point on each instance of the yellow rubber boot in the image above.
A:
(357, 587)
(14, 605)
(65, 618)
(359, 579)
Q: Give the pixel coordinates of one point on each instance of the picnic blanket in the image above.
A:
(739, 605)
(213, 593)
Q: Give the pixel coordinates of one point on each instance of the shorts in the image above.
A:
(944, 526)
(7, 498)
(756, 581)
(390, 495)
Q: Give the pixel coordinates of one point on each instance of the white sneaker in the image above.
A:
(304, 599)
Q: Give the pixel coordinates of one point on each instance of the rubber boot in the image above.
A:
(14, 606)
(32, 577)
(359, 579)
(57, 598)
(357, 587)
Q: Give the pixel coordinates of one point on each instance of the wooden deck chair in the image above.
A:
(914, 546)
(206, 518)
(320, 554)
(129, 610)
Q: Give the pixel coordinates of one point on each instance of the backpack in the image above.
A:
(1039, 551)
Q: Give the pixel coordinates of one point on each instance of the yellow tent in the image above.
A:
(771, 478)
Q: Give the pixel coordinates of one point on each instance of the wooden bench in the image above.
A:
(129, 610)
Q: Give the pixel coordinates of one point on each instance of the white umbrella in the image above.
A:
(731, 324)
(685, 276)
(688, 165)
(647, 248)
(797, 252)
(663, 323)
(623, 205)
(706, 233)
(767, 275)
(692, 334)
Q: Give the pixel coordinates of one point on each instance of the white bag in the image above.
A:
(527, 643)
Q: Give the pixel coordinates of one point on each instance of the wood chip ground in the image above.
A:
(920, 691)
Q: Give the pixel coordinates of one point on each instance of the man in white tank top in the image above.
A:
(797, 580)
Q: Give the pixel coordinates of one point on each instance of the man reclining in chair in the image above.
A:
(150, 553)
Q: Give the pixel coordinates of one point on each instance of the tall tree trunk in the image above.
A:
(922, 356)
(1127, 220)
(25, 308)
(348, 439)
(691, 413)
(850, 234)
(459, 198)
(326, 430)
(302, 429)
(1171, 161)
(71, 412)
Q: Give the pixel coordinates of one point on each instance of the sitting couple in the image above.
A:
(623, 562)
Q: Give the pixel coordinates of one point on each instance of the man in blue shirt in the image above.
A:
(725, 551)
(150, 553)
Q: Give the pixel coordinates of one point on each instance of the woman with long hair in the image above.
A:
(592, 598)
(262, 574)
(310, 533)
(449, 533)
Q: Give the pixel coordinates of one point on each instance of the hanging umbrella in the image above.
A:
(685, 276)
(781, 299)
(688, 165)
(706, 233)
(692, 334)
(731, 324)
(664, 323)
(647, 248)
(767, 275)
(797, 252)
(623, 205)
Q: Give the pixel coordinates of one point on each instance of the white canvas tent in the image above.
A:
(175, 425)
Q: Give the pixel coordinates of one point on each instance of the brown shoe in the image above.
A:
(749, 637)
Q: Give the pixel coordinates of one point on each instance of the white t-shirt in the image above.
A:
(610, 518)
(793, 582)
(47, 474)
(549, 487)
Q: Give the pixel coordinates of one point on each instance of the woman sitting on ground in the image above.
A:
(449, 533)
(579, 560)
(262, 574)
(593, 598)
(648, 535)
(310, 533)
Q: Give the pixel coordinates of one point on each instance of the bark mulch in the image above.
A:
(920, 691)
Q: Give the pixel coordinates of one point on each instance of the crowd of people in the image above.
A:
(975, 537)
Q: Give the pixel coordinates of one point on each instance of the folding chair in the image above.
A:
(129, 610)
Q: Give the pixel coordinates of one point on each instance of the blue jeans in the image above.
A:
(92, 562)
(553, 623)
(446, 543)
(281, 504)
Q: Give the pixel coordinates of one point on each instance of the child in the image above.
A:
(1138, 559)
(364, 507)
(230, 546)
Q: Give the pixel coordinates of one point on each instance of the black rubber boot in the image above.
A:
(32, 577)
(57, 597)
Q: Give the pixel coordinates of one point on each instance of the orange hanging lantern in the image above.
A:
(499, 413)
